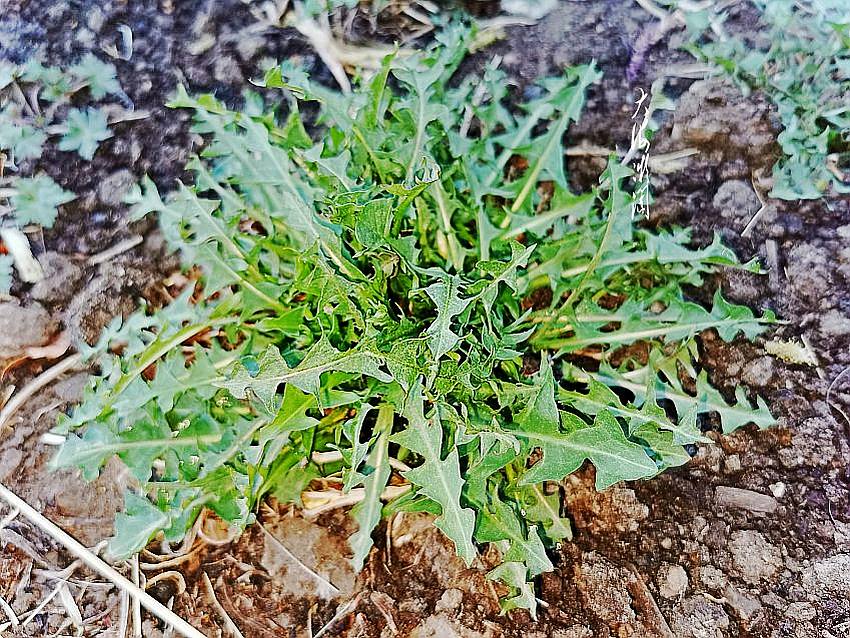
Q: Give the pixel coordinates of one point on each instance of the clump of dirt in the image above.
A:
(750, 539)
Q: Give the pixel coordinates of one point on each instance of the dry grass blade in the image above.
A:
(29, 270)
(98, 565)
(46, 377)
(10, 613)
(324, 44)
(56, 590)
(134, 600)
(175, 577)
(171, 562)
(343, 611)
(70, 605)
(229, 625)
(11, 516)
(326, 588)
(123, 614)
(113, 251)
(338, 55)
(748, 229)
(319, 502)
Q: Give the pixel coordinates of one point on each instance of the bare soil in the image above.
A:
(752, 539)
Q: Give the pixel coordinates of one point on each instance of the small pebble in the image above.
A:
(672, 581)
(777, 489)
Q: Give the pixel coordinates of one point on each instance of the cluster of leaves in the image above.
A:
(801, 61)
(365, 313)
(25, 125)
(32, 96)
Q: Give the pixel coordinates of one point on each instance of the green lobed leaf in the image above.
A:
(135, 526)
(85, 130)
(439, 476)
(37, 199)
(367, 513)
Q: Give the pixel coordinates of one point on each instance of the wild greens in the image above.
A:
(410, 288)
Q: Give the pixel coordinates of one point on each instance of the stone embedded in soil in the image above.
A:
(746, 608)
(753, 557)
(807, 267)
(801, 611)
(812, 444)
(451, 599)
(759, 372)
(316, 547)
(617, 509)
(833, 323)
(777, 489)
(712, 578)
(698, 617)
(115, 187)
(713, 114)
(71, 388)
(61, 276)
(672, 581)
(732, 464)
(23, 327)
(829, 578)
(736, 200)
(441, 626)
(748, 500)
(576, 631)
(603, 588)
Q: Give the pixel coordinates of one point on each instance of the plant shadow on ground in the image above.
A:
(770, 567)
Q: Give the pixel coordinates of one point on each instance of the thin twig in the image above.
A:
(229, 625)
(10, 613)
(645, 599)
(46, 377)
(758, 214)
(134, 600)
(35, 612)
(346, 609)
(324, 582)
(113, 251)
(333, 456)
(11, 516)
(124, 615)
(98, 565)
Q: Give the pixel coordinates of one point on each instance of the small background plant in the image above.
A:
(410, 305)
(34, 106)
(802, 64)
